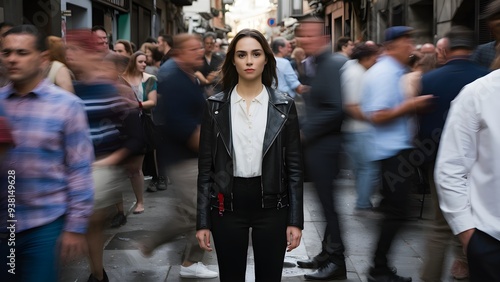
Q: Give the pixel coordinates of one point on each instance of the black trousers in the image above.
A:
(396, 174)
(231, 235)
(322, 160)
(483, 255)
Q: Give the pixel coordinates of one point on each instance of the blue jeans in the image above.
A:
(366, 171)
(36, 254)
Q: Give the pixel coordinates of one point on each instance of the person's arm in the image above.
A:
(294, 167)
(457, 153)
(79, 155)
(63, 79)
(409, 106)
(152, 95)
(291, 78)
(205, 171)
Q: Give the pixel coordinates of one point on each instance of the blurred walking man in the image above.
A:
(49, 170)
(384, 105)
(321, 133)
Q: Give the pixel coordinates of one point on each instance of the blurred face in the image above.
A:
(441, 47)
(402, 48)
(140, 63)
(209, 44)
(21, 58)
(249, 59)
(149, 57)
(120, 50)
(102, 40)
(162, 45)
(495, 28)
(191, 54)
(309, 36)
(348, 48)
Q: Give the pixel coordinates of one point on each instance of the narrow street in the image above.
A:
(124, 263)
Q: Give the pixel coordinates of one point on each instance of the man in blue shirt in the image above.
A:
(385, 106)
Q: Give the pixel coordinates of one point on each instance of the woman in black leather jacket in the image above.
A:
(250, 165)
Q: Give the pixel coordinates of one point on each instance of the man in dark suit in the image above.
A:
(444, 83)
(321, 134)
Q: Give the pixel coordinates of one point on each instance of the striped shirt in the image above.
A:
(113, 125)
(51, 161)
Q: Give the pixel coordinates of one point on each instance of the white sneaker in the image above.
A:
(197, 270)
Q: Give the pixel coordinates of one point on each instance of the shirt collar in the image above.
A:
(262, 98)
(39, 91)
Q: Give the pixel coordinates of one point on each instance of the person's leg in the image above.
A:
(182, 218)
(36, 254)
(322, 163)
(95, 242)
(438, 237)
(269, 243)
(231, 235)
(366, 169)
(134, 168)
(483, 254)
(396, 173)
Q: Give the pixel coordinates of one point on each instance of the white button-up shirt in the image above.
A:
(468, 165)
(248, 126)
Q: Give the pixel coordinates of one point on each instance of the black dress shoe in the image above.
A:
(386, 275)
(104, 278)
(328, 271)
(315, 262)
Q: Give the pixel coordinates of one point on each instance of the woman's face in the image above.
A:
(249, 59)
(140, 63)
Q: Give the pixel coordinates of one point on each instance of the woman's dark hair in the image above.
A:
(229, 73)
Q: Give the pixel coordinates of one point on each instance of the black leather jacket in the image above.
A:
(282, 174)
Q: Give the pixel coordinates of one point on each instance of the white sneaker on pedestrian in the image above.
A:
(197, 270)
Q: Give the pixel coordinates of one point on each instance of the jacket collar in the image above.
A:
(276, 118)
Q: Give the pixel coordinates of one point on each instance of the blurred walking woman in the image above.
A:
(250, 166)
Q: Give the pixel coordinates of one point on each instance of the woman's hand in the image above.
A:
(293, 236)
(203, 236)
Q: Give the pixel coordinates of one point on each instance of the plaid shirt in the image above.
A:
(52, 159)
(485, 54)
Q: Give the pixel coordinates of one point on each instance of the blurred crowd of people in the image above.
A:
(237, 133)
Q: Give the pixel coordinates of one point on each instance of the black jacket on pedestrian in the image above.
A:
(282, 177)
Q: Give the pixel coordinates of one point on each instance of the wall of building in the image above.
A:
(81, 13)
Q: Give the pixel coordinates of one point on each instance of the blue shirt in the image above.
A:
(51, 162)
(287, 78)
(381, 91)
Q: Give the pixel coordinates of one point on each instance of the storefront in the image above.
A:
(113, 15)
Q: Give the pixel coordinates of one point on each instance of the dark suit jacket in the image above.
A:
(324, 103)
(445, 83)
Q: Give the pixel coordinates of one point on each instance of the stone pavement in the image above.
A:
(124, 263)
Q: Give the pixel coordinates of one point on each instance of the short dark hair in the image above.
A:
(277, 43)
(150, 40)
(460, 37)
(209, 34)
(168, 38)
(98, 27)
(156, 54)
(40, 38)
(341, 42)
(230, 75)
(363, 50)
